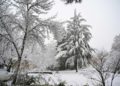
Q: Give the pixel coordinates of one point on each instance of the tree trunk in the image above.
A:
(103, 81)
(76, 64)
(16, 71)
(102, 78)
(112, 79)
(9, 68)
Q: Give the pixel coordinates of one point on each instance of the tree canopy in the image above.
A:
(75, 43)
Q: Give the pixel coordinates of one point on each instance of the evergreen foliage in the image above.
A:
(75, 43)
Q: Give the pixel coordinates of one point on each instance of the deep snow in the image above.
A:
(81, 78)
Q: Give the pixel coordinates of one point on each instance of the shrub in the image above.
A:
(61, 84)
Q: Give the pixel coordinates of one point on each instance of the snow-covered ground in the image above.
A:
(4, 75)
(82, 78)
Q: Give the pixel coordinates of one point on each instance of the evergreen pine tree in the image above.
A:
(75, 44)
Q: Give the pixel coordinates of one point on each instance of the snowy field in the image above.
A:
(83, 78)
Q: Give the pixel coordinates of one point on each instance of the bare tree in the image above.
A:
(4, 5)
(114, 63)
(116, 70)
(24, 27)
(98, 64)
(108, 66)
(115, 58)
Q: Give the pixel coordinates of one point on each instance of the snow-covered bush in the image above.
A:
(61, 84)
(53, 67)
(24, 79)
(43, 79)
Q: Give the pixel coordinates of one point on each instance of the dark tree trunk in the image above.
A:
(9, 68)
(76, 64)
(16, 71)
(9, 65)
(112, 79)
(102, 78)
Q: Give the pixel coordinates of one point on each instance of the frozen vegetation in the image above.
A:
(39, 50)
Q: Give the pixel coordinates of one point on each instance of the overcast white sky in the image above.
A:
(102, 15)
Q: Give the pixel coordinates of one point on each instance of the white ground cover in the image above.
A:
(83, 78)
(4, 75)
